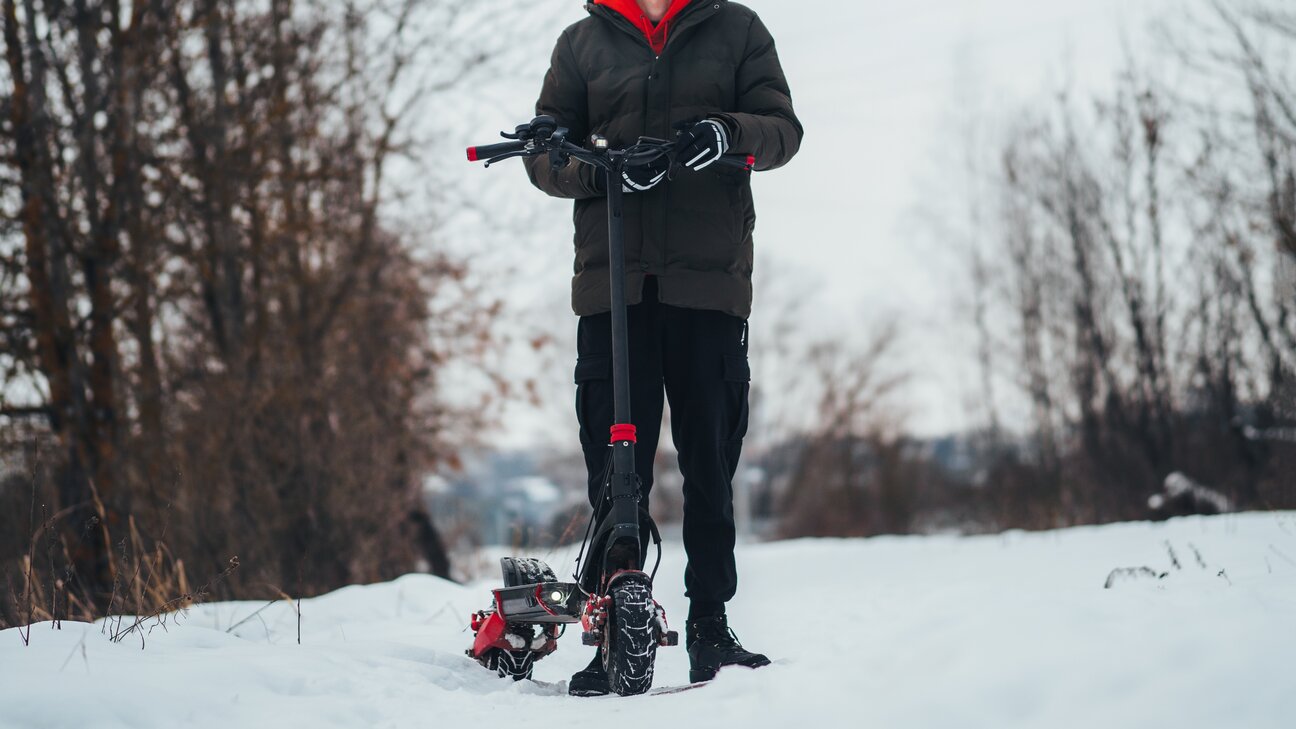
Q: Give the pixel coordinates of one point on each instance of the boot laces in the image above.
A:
(719, 634)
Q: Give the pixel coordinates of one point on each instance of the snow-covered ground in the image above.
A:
(1014, 630)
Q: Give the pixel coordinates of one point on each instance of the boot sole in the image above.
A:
(702, 676)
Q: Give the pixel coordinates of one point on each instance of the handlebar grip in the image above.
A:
(487, 151)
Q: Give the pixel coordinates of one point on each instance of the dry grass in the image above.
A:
(149, 582)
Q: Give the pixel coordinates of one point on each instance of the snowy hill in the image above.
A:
(1014, 630)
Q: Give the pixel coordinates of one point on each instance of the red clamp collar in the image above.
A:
(624, 433)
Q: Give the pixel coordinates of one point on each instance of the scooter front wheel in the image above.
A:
(631, 643)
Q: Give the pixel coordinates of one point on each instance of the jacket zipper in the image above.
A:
(620, 21)
(701, 16)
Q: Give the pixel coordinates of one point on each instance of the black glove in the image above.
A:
(646, 177)
(704, 143)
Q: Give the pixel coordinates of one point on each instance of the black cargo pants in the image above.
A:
(699, 358)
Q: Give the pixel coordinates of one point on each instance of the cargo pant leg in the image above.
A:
(594, 398)
(707, 380)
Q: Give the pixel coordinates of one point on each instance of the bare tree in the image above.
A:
(205, 301)
(850, 474)
(1144, 242)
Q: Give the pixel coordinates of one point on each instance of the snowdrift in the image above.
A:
(1013, 630)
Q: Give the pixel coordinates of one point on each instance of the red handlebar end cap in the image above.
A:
(751, 161)
(472, 154)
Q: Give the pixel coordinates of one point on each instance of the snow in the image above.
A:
(1013, 630)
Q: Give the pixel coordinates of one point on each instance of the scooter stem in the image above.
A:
(625, 483)
(620, 336)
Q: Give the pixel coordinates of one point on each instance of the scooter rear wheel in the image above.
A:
(517, 665)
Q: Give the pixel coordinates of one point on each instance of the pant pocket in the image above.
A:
(593, 377)
(737, 383)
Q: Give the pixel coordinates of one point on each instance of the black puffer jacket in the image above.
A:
(693, 232)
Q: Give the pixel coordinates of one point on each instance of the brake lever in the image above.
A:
(541, 127)
(510, 155)
(521, 133)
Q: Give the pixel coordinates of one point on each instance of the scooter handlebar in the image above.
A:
(487, 151)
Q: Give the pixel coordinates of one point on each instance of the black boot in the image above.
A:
(592, 681)
(711, 644)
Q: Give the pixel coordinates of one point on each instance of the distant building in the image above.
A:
(498, 498)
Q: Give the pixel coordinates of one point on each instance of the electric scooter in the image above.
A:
(612, 597)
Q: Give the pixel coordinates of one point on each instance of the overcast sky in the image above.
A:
(885, 91)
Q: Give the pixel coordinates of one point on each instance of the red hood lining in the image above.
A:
(657, 34)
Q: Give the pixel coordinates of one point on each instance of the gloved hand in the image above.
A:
(642, 179)
(703, 144)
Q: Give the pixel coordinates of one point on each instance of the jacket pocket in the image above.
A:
(732, 176)
(593, 372)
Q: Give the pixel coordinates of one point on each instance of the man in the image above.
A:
(648, 68)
